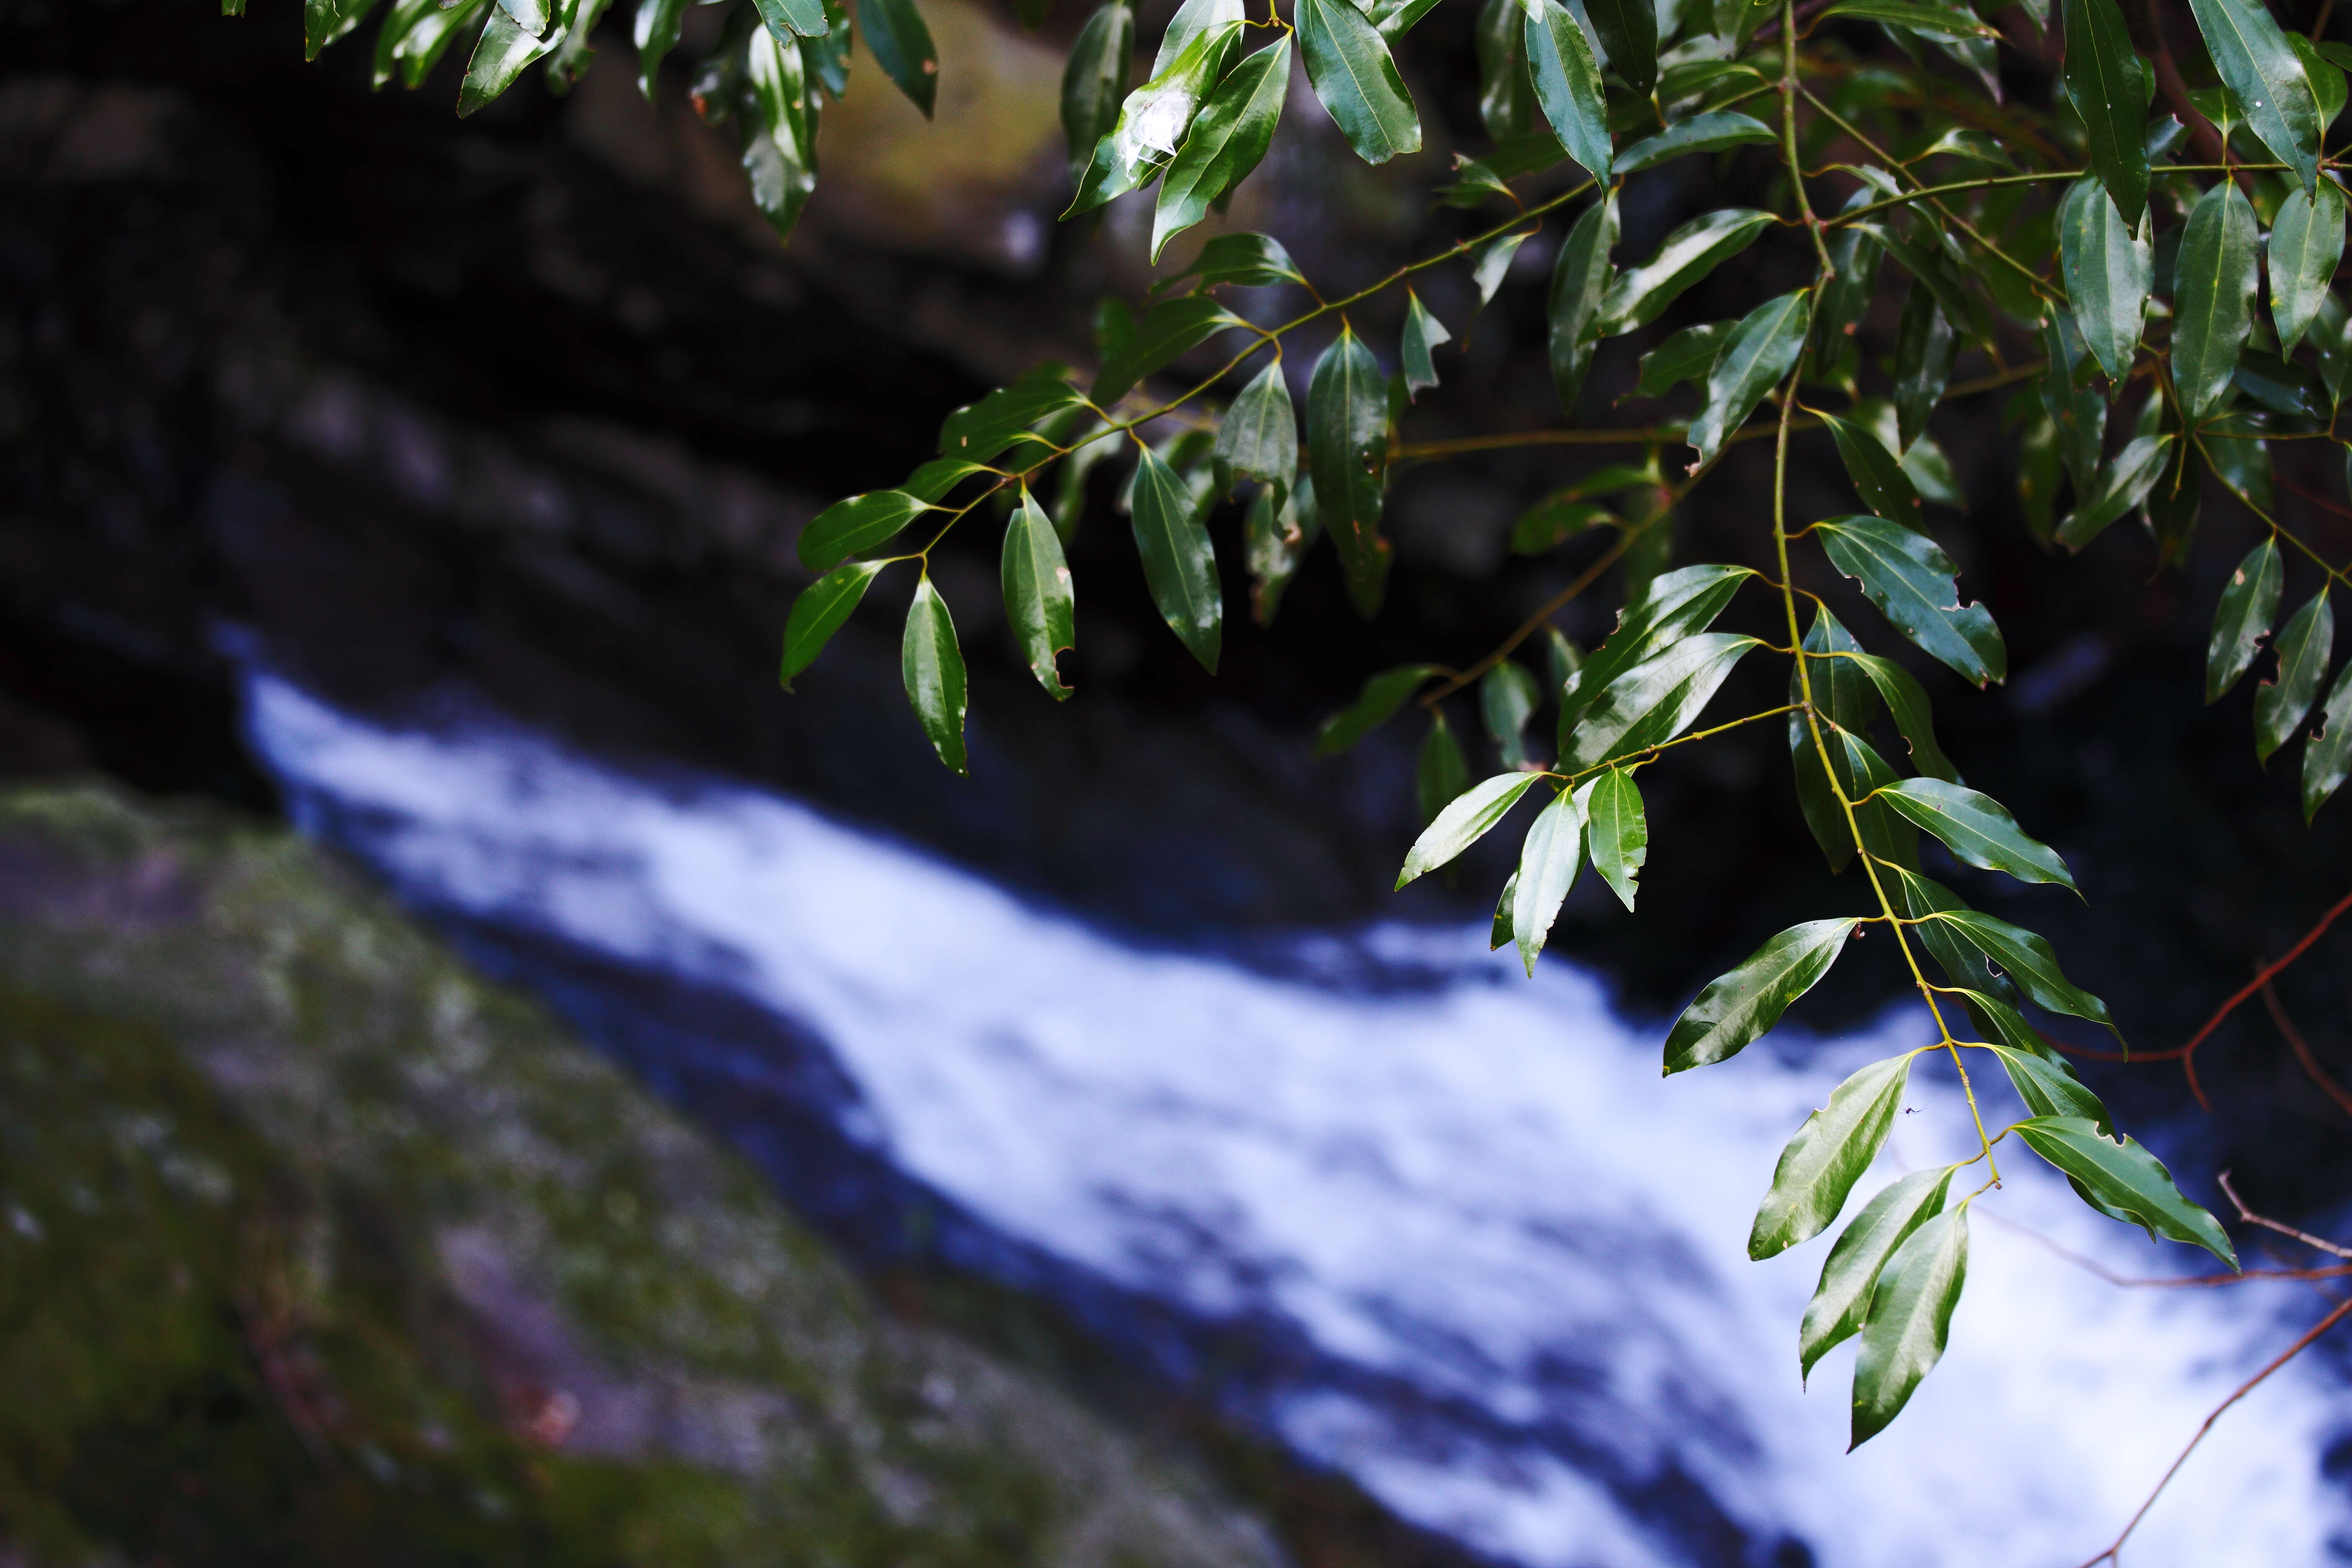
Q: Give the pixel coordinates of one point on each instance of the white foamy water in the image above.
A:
(1520, 1253)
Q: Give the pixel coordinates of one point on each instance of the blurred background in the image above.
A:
(485, 1077)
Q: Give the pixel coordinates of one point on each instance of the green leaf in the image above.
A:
(780, 153)
(1348, 444)
(1845, 299)
(1655, 700)
(2304, 646)
(1877, 474)
(1562, 658)
(2121, 486)
(861, 522)
(2248, 610)
(1552, 521)
(1568, 84)
(1906, 700)
(1841, 697)
(1153, 119)
(1276, 535)
(978, 431)
(2172, 503)
(1941, 20)
(1037, 593)
(1578, 278)
(1908, 1318)
(1977, 829)
(1669, 608)
(1507, 698)
(2049, 1087)
(2108, 271)
(2124, 1182)
(2027, 959)
(932, 666)
(2280, 386)
(790, 21)
(1710, 133)
(655, 31)
(1507, 96)
(1738, 1008)
(1547, 866)
(1441, 774)
(504, 50)
(1641, 294)
(902, 46)
(1499, 932)
(1258, 439)
(1758, 356)
(1617, 829)
(1348, 63)
(827, 57)
(2078, 415)
(1395, 18)
(1915, 585)
(1464, 821)
(1382, 695)
(417, 33)
(1249, 260)
(2306, 245)
(325, 21)
(1686, 355)
(2322, 63)
(2266, 77)
(1963, 962)
(1828, 1155)
(2107, 85)
(1228, 138)
(1192, 19)
(1926, 348)
(1628, 30)
(1179, 563)
(2213, 292)
(1172, 326)
(1095, 81)
(1491, 262)
(1422, 332)
(819, 612)
(1835, 1313)
(2327, 757)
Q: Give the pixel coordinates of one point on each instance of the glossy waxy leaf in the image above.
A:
(1756, 357)
(1094, 81)
(1499, 932)
(1670, 608)
(1441, 773)
(1828, 1155)
(1568, 84)
(860, 522)
(789, 21)
(1153, 119)
(531, 15)
(1248, 260)
(1907, 702)
(417, 33)
(2077, 413)
(1686, 355)
(1423, 333)
(827, 56)
(505, 49)
(1963, 962)
(820, 611)
(1842, 697)
(2248, 610)
(2106, 83)
(2107, 272)
(2266, 77)
(1616, 830)
(1258, 439)
(895, 31)
(1179, 566)
(2306, 644)
(1641, 294)
(1192, 19)
(1877, 474)
(1942, 20)
(1835, 1313)
(655, 31)
(978, 431)
(1228, 139)
(1277, 533)
(932, 666)
(324, 21)
(2327, 756)
(1348, 434)
(780, 153)
(1172, 326)
(1926, 345)
(2213, 284)
(1908, 1320)
(2122, 484)
(1710, 133)
(1915, 585)
(1655, 700)
(1464, 820)
(2124, 1182)
(1507, 698)
(1628, 30)
(1977, 829)
(1348, 65)
(2028, 960)
(1037, 599)
(1378, 702)
(1553, 521)
(2307, 246)
(1578, 278)
(1737, 1009)
(1491, 263)
(1548, 866)
(2048, 1086)
(1507, 96)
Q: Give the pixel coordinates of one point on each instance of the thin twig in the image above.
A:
(2317, 1074)
(2304, 1236)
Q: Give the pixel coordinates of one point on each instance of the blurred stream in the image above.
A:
(1492, 1267)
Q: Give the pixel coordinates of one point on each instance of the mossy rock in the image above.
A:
(316, 1247)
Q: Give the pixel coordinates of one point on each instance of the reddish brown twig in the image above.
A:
(2304, 1236)
(2181, 1282)
(2317, 1074)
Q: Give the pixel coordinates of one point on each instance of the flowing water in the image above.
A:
(1493, 1266)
